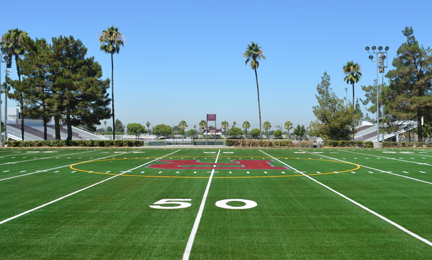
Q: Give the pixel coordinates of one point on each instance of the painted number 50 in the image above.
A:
(179, 204)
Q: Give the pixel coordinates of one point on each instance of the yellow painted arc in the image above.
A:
(216, 177)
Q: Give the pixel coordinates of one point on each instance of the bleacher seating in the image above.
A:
(75, 136)
(363, 128)
(32, 131)
(367, 136)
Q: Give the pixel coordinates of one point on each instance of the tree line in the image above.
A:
(56, 81)
(407, 97)
(180, 129)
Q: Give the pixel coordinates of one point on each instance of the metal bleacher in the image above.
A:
(64, 133)
(34, 133)
(362, 131)
(369, 132)
(30, 134)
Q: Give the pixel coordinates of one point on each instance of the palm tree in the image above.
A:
(13, 43)
(234, 124)
(254, 53)
(182, 125)
(225, 125)
(148, 126)
(246, 126)
(110, 40)
(288, 126)
(267, 126)
(353, 74)
(202, 125)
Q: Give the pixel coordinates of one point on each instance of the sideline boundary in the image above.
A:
(388, 172)
(42, 158)
(388, 158)
(59, 167)
(75, 192)
(360, 205)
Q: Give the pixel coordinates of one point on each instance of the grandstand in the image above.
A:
(367, 131)
(33, 129)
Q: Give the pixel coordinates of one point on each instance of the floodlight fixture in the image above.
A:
(380, 69)
(8, 61)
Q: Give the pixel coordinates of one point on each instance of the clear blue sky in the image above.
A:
(183, 59)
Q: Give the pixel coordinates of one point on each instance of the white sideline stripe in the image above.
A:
(190, 242)
(75, 192)
(44, 158)
(360, 205)
(368, 167)
(22, 175)
(388, 157)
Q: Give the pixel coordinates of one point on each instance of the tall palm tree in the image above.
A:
(353, 74)
(182, 125)
(254, 53)
(246, 126)
(111, 40)
(14, 44)
(267, 126)
(234, 124)
(288, 126)
(202, 125)
(148, 126)
(225, 125)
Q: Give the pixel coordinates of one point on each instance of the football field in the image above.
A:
(194, 203)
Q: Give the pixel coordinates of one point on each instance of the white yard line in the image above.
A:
(42, 158)
(75, 192)
(190, 242)
(22, 175)
(358, 204)
(368, 167)
(401, 160)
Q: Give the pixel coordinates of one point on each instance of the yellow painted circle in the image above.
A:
(196, 177)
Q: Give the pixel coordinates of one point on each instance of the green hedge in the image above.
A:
(345, 143)
(406, 145)
(257, 143)
(289, 143)
(82, 143)
(209, 142)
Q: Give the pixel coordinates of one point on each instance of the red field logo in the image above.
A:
(235, 165)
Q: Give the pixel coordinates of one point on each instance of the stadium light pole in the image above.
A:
(380, 58)
(8, 65)
(1, 88)
(8, 72)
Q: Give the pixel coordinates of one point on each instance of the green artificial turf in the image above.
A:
(295, 217)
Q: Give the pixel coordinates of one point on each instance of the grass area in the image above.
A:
(95, 203)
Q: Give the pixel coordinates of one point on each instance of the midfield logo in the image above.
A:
(235, 165)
